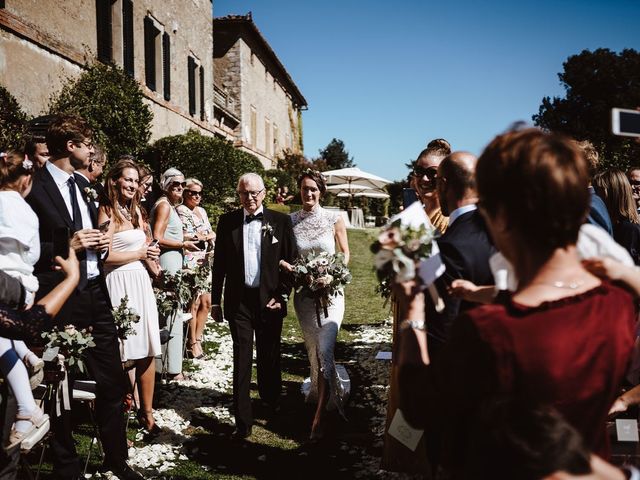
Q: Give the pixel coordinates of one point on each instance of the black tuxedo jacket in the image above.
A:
(228, 260)
(465, 249)
(47, 202)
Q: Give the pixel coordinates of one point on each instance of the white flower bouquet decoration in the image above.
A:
(71, 343)
(125, 317)
(321, 276)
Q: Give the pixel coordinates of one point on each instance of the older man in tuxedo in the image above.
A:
(251, 243)
(62, 204)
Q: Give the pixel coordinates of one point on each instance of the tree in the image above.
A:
(595, 82)
(113, 104)
(293, 163)
(12, 121)
(335, 156)
(213, 161)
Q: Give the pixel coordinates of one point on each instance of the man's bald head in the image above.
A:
(457, 180)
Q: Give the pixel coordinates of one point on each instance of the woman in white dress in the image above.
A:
(126, 275)
(318, 230)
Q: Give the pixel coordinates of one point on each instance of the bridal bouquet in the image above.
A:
(71, 343)
(321, 276)
(172, 293)
(397, 251)
(124, 317)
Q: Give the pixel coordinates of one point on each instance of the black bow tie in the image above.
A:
(251, 218)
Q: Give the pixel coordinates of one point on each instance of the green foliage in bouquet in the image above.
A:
(71, 343)
(125, 317)
(397, 251)
(172, 293)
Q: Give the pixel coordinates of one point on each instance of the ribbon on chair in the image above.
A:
(62, 395)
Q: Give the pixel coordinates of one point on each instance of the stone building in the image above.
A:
(166, 45)
(265, 102)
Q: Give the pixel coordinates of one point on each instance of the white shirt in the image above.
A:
(458, 212)
(61, 178)
(19, 241)
(251, 244)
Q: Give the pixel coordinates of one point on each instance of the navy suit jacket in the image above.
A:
(465, 249)
(598, 214)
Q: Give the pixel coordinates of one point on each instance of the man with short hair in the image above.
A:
(89, 176)
(251, 244)
(465, 248)
(598, 213)
(60, 204)
(37, 151)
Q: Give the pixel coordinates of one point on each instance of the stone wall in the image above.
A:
(44, 42)
(245, 78)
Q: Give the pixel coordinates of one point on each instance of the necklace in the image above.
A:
(125, 212)
(559, 284)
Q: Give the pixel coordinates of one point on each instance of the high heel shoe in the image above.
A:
(193, 344)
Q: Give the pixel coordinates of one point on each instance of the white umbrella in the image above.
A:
(372, 194)
(348, 188)
(354, 175)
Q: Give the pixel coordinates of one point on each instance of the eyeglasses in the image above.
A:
(177, 184)
(250, 194)
(87, 143)
(431, 172)
(193, 193)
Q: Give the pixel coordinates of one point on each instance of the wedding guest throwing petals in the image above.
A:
(167, 229)
(318, 230)
(251, 243)
(126, 276)
(196, 227)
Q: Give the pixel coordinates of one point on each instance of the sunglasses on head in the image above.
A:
(431, 172)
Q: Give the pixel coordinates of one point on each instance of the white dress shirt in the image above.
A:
(458, 212)
(61, 178)
(251, 243)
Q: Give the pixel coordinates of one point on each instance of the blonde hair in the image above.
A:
(614, 188)
(193, 181)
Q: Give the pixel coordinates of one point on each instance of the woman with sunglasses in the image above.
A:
(423, 180)
(196, 227)
(167, 229)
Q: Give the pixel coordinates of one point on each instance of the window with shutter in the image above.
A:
(166, 65)
(191, 66)
(127, 36)
(150, 34)
(103, 24)
(202, 116)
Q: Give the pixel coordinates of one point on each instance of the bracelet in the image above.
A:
(415, 324)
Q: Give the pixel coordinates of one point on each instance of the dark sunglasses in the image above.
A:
(177, 184)
(635, 183)
(193, 193)
(431, 172)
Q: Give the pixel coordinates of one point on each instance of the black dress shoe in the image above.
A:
(241, 434)
(123, 473)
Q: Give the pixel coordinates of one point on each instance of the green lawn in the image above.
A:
(279, 448)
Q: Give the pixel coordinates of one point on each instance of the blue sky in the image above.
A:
(387, 77)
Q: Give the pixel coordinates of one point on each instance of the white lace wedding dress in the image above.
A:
(314, 231)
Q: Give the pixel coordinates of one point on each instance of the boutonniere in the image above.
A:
(267, 229)
(91, 194)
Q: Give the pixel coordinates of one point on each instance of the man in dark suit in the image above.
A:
(250, 245)
(59, 200)
(465, 247)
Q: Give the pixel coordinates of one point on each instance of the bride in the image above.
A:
(318, 230)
